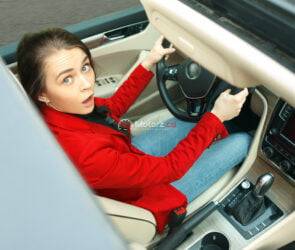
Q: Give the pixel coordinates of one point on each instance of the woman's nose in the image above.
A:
(84, 83)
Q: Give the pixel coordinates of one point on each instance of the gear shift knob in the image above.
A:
(263, 184)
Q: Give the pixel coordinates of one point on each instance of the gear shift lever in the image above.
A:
(263, 184)
(250, 205)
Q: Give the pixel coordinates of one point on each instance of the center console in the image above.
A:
(248, 211)
(279, 142)
(229, 224)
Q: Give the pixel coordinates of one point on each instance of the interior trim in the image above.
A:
(252, 154)
(277, 236)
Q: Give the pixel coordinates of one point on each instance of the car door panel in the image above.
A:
(117, 59)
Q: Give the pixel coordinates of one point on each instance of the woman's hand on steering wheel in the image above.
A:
(199, 86)
(156, 54)
(227, 106)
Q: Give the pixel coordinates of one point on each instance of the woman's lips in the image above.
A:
(88, 101)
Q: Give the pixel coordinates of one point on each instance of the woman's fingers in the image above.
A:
(242, 94)
(160, 40)
(226, 92)
(228, 106)
(169, 51)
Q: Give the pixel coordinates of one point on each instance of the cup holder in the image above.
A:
(214, 241)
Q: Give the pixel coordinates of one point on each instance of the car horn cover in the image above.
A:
(194, 80)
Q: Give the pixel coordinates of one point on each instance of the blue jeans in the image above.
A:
(215, 161)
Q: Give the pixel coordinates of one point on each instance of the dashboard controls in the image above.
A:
(273, 131)
(278, 145)
(245, 184)
(285, 165)
(269, 152)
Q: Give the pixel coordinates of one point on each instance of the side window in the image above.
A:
(18, 17)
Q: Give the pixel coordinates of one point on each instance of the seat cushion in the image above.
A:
(134, 223)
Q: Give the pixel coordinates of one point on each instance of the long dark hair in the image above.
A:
(32, 51)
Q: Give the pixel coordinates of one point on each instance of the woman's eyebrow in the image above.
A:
(85, 59)
(68, 70)
(65, 71)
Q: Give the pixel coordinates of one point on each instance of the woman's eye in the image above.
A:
(86, 67)
(68, 80)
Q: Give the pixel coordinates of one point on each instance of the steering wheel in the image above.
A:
(199, 87)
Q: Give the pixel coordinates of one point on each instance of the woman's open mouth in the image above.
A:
(88, 101)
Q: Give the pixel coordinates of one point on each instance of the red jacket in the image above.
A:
(114, 168)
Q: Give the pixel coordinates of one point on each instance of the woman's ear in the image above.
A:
(43, 98)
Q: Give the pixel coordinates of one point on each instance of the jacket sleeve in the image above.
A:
(127, 94)
(105, 167)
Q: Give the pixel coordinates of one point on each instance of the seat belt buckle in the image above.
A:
(176, 217)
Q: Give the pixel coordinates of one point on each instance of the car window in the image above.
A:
(20, 16)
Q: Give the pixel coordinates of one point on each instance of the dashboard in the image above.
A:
(279, 141)
(222, 46)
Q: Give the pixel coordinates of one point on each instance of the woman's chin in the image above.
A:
(87, 110)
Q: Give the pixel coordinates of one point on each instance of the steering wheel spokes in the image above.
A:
(171, 73)
(195, 83)
(195, 107)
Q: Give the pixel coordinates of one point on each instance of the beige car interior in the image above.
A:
(233, 60)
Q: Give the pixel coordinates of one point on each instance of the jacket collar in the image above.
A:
(64, 120)
(73, 123)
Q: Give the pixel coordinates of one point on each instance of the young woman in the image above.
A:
(157, 170)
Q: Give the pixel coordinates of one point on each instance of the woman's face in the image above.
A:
(69, 82)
